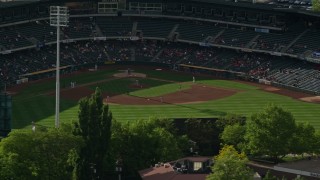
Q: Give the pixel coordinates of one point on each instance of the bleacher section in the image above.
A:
(147, 50)
(285, 71)
(172, 54)
(118, 50)
(40, 30)
(196, 31)
(115, 26)
(11, 38)
(308, 42)
(159, 28)
(282, 70)
(235, 37)
(274, 42)
(221, 59)
(79, 28)
(27, 34)
(298, 75)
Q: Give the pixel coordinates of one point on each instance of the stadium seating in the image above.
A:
(285, 71)
(221, 59)
(196, 31)
(274, 42)
(40, 30)
(112, 27)
(235, 37)
(11, 38)
(146, 50)
(79, 28)
(299, 75)
(158, 28)
(308, 42)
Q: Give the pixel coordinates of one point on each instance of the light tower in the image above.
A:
(59, 17)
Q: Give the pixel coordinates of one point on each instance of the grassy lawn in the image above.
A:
(33, 105)
(36, 108)
(244, 103)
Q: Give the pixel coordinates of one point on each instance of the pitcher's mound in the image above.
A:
(133, 74)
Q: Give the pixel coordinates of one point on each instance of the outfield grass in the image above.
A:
(33, 105)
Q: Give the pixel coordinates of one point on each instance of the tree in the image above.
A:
(206, 135)
(269, 176)
(230, 119)
(38, 155)
(298, 178)
(141, 144)
(270, 132)
(317, 142)
(94, 127)
(303, 141)
(234, 135)
(230, 164)
(316, 5)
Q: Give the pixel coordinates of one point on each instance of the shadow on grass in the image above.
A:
(212, 112)
(36, 109)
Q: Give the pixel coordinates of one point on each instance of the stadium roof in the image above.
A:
(16, 3)
(247, 4)
(311, 165)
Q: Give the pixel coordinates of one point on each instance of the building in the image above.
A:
(307, 169)
(181, 169)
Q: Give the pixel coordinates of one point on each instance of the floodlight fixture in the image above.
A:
(59, 17)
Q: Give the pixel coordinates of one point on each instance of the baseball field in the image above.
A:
(150, 92)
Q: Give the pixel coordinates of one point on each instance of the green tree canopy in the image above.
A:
(141, 143)
(304, 140)
(230, 164)
(234, 135)
(270, 132)
(269, 176)
(316, 5)
(274, 132)
(94, 127)
(317, 142)
(230, 119)
(206, 135)
(25, 154)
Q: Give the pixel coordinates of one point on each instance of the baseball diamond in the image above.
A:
(208, 97)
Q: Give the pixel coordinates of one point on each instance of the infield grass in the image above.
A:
(33, 104)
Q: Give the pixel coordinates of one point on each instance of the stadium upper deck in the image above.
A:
(267, 5)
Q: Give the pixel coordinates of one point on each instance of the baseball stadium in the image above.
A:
(159, 58)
